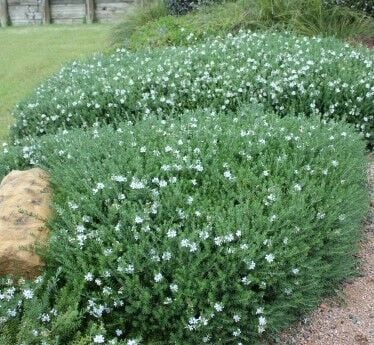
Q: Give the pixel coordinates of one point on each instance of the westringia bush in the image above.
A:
(204, 229)
(286, 73)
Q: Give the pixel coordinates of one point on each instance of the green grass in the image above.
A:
(28, 55)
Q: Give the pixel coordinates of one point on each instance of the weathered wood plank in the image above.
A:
(90, 11)
(4, 14)
(111, 11)
(106, 2)
(67, 12)
(67, 2)
(46, 12)
(21, 14)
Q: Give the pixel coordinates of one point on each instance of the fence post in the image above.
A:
(46, 12)
(90, 11)
(4, 15)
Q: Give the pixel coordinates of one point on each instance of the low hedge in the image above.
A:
(204, 229)
(286, 73)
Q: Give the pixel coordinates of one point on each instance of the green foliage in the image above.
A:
(285, 73)
(180, 7)
(367, 6)
(209, 227)
(337, 21)
(137, 17)
(307, 17)
(186, 30)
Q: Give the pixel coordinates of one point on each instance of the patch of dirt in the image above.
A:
(365, 41)
(348, 319)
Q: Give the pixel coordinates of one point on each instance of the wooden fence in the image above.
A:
(27, 12)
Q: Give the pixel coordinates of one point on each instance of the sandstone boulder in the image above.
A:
(24, 205)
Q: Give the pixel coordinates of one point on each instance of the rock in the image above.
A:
(24, 205)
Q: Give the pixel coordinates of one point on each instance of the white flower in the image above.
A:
(273, 218)
(297, 187)
(119, 332)
(136, 184)
(218, 307)
(166, 256)
(89, 277)
(168, 300)
(171, 233)
(265, 173)
(138, 220)
(45, 318)
(119, 178)
(260, 310)
(99, 339)
(174, 287)
(245, 281)
(335, 163)
(269, 258)
(132, 342)
(28, 294)
(72, 205)
(189, 200)
(251, 265)
(100, 186)
(158, 277)
(236, 318)
(129, 269)
(295, 271)
(198, 167)
(262, 321)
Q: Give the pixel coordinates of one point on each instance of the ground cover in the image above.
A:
(286, 73)
(207, 228)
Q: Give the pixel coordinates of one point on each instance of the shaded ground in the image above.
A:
(349, 318)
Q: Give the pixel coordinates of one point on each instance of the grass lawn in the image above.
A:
(28, 55)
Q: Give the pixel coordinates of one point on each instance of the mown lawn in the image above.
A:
(30, 54)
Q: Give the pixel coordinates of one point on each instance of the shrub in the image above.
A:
(315, 77)
(335, 21)
(136, 18)
(208, 228)
(180, 7)
(307, 17)
(367, 6)
(186, 30)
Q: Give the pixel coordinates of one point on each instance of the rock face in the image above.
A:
(24, 205)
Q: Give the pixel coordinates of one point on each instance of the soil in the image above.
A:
(349, 318)
(365, 41)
